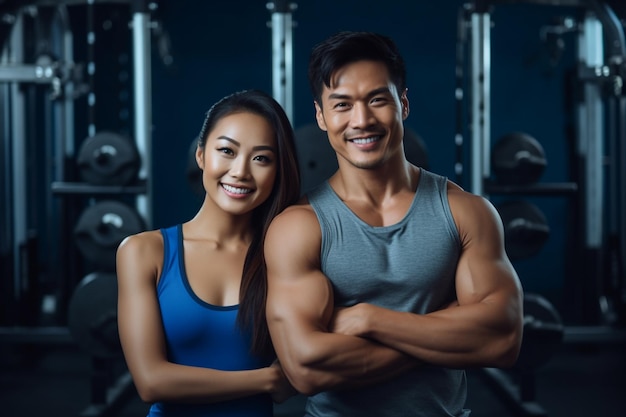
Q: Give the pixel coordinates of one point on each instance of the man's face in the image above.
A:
(363, 114)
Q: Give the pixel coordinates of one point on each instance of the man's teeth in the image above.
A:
(236, 190)
(365, 140)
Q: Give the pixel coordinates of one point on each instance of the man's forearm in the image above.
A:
(343, 362)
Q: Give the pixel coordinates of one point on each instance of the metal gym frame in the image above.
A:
(18, 119)
(600, 63)
(600, 130)
(282, 53)
(58, 74)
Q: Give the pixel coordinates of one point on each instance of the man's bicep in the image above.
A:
(298, 312)
(483, 270)
(299, 299)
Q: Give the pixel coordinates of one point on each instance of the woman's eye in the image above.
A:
(226, 151)
(264, 159)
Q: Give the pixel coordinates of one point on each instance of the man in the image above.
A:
(387, 280)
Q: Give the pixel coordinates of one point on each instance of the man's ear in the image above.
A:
(319, 116)
(404, 100)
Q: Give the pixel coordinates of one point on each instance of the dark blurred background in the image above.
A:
(69, 72)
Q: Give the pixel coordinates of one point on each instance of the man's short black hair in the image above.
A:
(347, 47)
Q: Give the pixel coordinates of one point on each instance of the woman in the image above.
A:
(191, 302)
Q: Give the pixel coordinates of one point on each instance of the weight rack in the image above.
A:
(46, 90)
(601, 64)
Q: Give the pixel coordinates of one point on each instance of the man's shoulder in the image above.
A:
(294, 228)
(295, 217)
(300, 211)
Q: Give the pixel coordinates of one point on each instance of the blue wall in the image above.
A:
(226, 46)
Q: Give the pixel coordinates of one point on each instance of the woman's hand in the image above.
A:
(281, 389)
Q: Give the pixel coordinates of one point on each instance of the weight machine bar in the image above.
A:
(6, 240)
(538, 2)
(615, 57)
(459, 92)
(67, 144)
(18, 140)
(143, 103)
(621, 181)
(591, 132)
(282, 53)
(43, 74)
(63, 145)
(612, 28)
(480, 115)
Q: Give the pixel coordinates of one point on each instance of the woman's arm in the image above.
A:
(139, 262)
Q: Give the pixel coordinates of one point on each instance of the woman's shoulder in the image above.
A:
(146, 243)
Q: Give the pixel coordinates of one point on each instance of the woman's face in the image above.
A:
(239, 162)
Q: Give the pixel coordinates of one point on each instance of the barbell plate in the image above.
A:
(108, 158)
(518, 159)
(543, 332)
(92, 315)
(526, 228)
(102, 227)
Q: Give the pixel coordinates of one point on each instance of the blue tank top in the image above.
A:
(203, 335)
(408, 266)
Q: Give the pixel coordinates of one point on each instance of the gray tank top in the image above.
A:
(408, 266)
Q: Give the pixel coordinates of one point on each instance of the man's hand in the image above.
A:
(357, 320)
(352, 321)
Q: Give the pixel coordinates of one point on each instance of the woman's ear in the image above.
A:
(200, 157)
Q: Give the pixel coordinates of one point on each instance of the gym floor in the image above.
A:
(578, 380)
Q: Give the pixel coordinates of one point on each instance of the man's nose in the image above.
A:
(361, 116)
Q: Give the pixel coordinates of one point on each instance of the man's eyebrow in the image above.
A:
(335, 96)
(381, 90)
(256, 148)
(338, 96)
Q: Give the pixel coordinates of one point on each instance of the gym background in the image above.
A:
(98, 117)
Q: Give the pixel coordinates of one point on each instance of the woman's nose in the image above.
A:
(240, 168)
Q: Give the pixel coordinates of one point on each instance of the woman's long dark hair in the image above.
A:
(286, 190)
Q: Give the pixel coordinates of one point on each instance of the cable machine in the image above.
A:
(599, 110)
